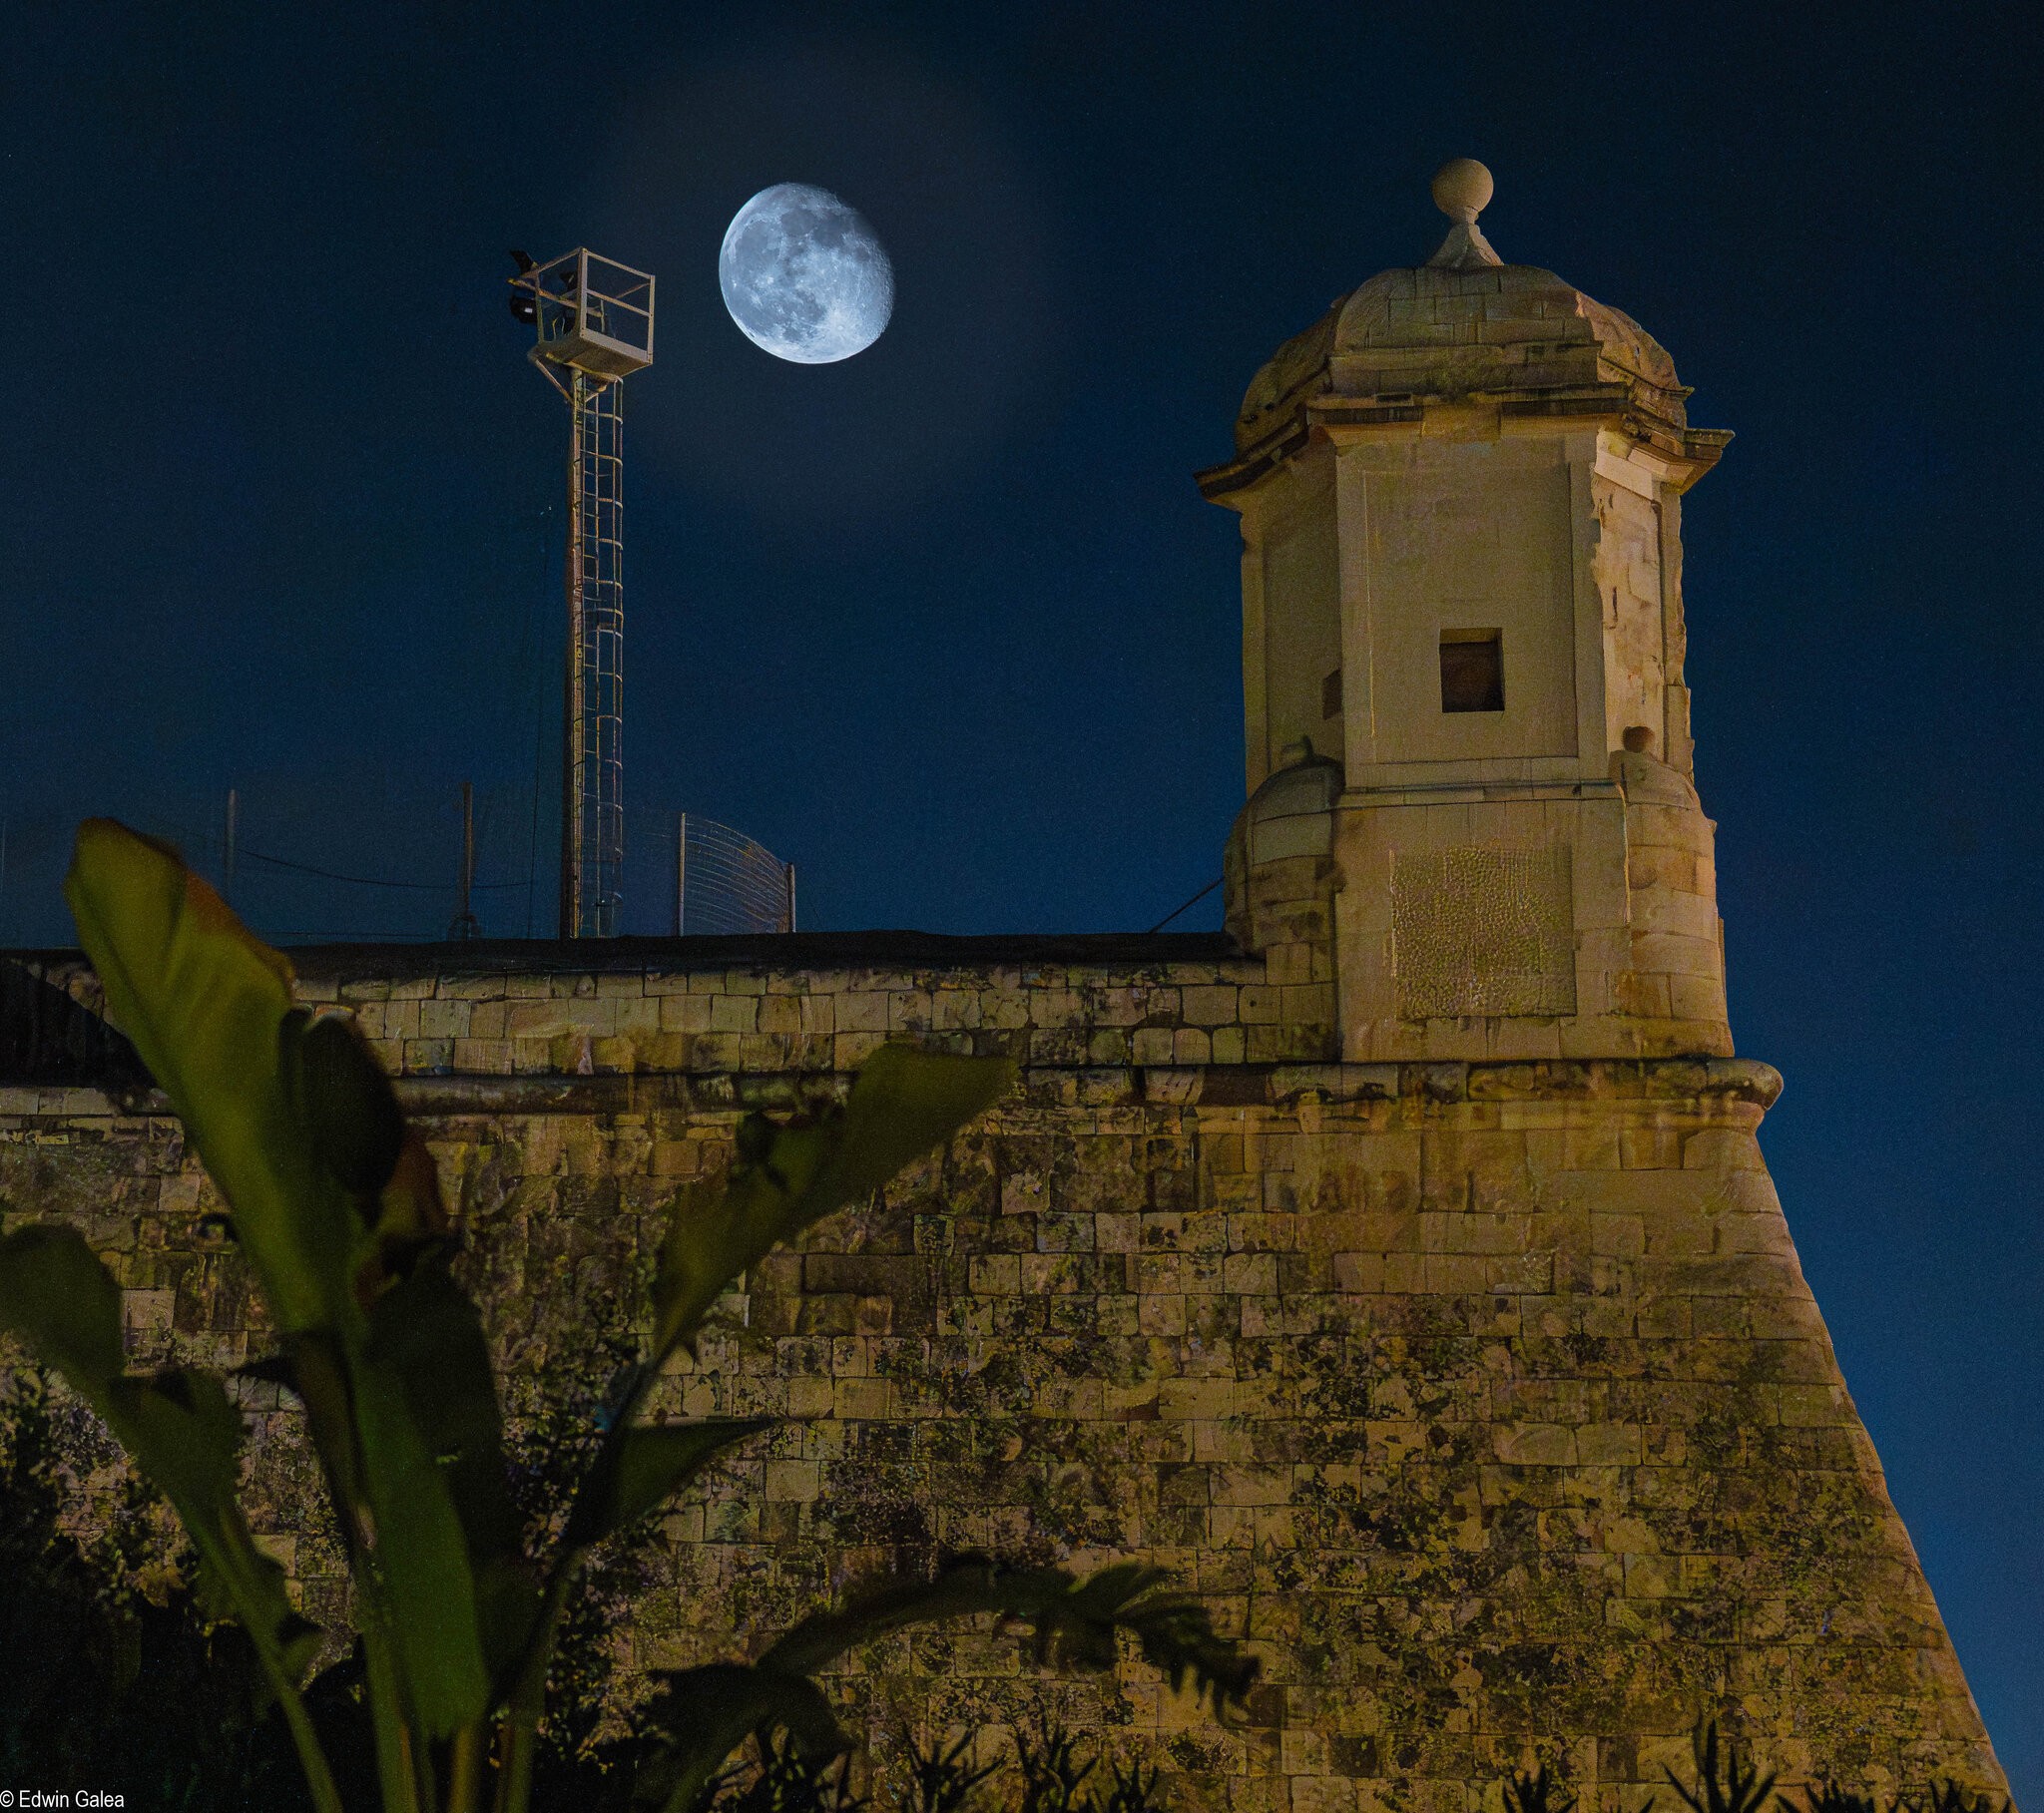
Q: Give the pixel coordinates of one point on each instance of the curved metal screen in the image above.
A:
(727, 882)
(375, 852)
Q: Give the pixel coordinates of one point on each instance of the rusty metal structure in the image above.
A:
(592, 320)
(727, 883)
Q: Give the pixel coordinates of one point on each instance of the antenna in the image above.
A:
(465, 924)
(594, 321)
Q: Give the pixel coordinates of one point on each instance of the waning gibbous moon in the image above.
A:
(805, 276)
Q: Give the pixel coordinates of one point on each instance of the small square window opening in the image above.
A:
(1331, 695)
(1472, 670)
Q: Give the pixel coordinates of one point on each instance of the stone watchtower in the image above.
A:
(1475, 866)
(1468, 742)
(1401, 1273)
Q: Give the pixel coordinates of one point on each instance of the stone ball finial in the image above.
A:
(1462, 190)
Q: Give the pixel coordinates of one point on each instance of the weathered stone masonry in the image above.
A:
(1487, 1400)
(1399, 1268)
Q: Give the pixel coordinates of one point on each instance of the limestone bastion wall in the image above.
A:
(1487, 1401)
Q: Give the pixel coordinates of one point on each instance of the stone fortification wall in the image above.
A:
(1488, 1401)
(1049, 1002)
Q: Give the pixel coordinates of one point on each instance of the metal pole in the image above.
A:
(465, 925)
(226, 890)
(790, 897)
(680, 873)
(571, 752)
(592, 813)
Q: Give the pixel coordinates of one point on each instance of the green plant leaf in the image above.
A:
(710, 1712)
(209, 1008)
(186, 1434)
(346, 1104)
(178, 1427)
(904, 1103)
(432, 1483)
(644, 1468)
(300, 1130)
(56, 1294)
(418, 1556)
(426, 1331)
(404, 1222)
(638, 1467)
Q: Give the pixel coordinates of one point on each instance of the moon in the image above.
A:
(805, 276)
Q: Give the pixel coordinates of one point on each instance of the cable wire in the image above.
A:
(370, 881)
(1194, 901)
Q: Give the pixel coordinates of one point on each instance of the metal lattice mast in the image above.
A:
(595, 324)
(593, 778)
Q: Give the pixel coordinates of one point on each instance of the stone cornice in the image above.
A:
(1630, 408)
(1223, 1085)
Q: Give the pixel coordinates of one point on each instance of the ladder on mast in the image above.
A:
(594, 318)
(592, 777)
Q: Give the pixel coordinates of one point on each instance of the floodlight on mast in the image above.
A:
(592, 318)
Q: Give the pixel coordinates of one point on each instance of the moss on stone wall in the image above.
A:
(1488, 1402)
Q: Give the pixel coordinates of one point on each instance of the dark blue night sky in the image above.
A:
(948, 623)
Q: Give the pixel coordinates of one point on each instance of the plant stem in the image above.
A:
(311, 1759)
(396, 1771)
(519, 1732)
(418, 1765)
(516, 1741)
(465, 1770)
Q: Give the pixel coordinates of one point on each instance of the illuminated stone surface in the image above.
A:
(1441, 1328)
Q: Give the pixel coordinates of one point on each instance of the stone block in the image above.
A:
(147, 1311)
(1151, 1045)
(1260, 1006)
(1677, 954)
(1696, 997)
(1668, 910)
(684, 1013)
(1651, 1149)
(1641, 995)
(792, 1481)
(1430, 1374)
(734, 1014)
(909, 1010)
(636, 1017)
(1815, 1406)
(1108, 1046)
(863, 1010)
(1210, 1006)
(482, 1057)
(851, 1049)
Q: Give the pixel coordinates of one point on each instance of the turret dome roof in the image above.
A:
(1434, 332)
(1464, 326)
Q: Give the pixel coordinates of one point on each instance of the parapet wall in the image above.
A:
(818, 1001)
(1487, 1401)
